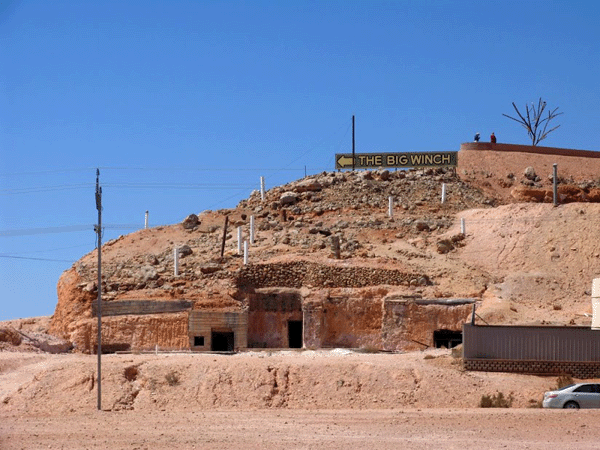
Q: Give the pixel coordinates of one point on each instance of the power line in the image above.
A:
(30, 190)
(48, 250)
(35, 259)
(187, 186)
(66, 229)
(46, 230)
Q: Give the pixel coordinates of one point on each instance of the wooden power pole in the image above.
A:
(99, 232)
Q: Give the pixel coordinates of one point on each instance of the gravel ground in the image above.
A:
(320, 429)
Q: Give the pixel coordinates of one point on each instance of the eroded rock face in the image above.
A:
(415, 251)
(10, 335)
(566, 194)
(122, 333)
(74, 303)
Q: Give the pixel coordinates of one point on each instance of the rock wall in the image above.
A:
(352, 322)
(303, 273)
(408, 325)
(75, 298)
(168, 331)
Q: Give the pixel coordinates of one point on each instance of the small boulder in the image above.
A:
(288, 198)
(10, 335)
(148, 273)
(530, 174)
(308, 186)
(444, 246)
(210, 268)
(384, 175)
(184, 251)
(421, 225)
(190, 222)
(53, 344)
(152, 260)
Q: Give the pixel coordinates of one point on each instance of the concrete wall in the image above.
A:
(203, 323)
(528, 149)
(137, 307)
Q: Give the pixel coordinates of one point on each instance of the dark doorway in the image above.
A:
(113, 348)
(222, 341)
(295, 333)
(447, 338)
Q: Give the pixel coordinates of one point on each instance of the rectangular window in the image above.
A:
(198, 341)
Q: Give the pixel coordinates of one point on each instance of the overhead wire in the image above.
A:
(311, 149)
(36, 259)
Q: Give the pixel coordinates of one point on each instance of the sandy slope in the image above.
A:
(333, 399)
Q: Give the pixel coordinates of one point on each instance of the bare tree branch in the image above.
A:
(534, 122)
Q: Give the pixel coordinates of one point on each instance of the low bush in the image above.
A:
(496, 401)
(172, 378)
(564, 380)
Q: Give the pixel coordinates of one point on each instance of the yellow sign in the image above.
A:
(377, 160)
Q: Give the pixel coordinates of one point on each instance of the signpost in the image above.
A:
(386, 160)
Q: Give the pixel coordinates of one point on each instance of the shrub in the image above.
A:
(172, 378)
(496, 401)
(564, 380)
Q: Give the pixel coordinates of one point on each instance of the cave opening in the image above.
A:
(447, 338)
(222, 341)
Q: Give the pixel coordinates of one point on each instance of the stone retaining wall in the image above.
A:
(302, 273)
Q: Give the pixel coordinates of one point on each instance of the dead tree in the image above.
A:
(533, 122)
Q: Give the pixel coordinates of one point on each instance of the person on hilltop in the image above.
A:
(493, 138)
(477, 137)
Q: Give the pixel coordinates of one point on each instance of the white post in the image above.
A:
(262, 188)
(252, 230)
(239, 240)
(443, 192)
(176, 261)
(146, 220)
(391, 207)
(245, 252)
(462, 226)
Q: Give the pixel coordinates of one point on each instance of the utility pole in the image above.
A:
(99, 232)
(353, 149)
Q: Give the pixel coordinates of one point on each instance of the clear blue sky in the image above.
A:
(183, 105)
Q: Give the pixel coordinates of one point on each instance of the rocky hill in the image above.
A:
(521, 260)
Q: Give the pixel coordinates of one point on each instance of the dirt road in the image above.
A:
(320, 429)
(336, 399)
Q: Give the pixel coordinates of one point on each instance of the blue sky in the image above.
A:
(184, 105)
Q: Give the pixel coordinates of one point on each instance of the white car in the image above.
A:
(574, 396)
